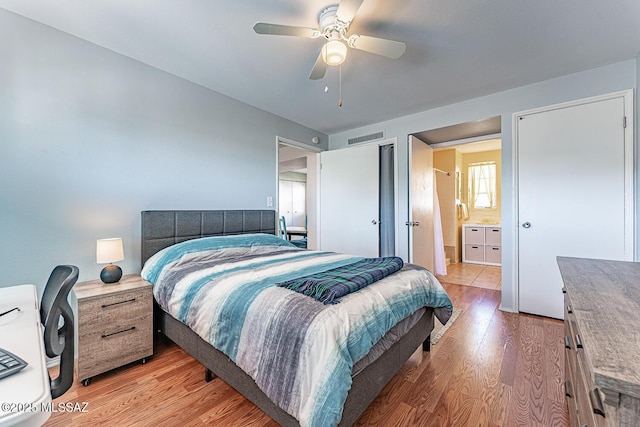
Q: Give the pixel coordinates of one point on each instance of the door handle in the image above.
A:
(412, 223)
(374, 222)
(526, 224)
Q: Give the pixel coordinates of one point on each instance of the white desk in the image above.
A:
(21, 334)
(296, 231)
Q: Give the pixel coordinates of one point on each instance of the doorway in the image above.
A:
(465, 200)
(469, 186)
(298, 177)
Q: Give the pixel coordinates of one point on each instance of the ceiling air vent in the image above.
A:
(365, 138)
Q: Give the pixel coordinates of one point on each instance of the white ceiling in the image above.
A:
(456, 49)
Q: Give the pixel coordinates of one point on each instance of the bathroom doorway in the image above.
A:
(469, 187)
(467, 170)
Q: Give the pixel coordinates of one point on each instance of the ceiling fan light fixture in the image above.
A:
(335, 52)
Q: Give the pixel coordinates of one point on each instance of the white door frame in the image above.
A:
(314, 182)
(629, 244)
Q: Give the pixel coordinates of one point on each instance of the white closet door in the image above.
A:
(285, 200)
(349, 200)
(298, 203)
(571, 195)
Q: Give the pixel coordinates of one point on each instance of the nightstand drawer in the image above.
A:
(94, 314)
(115, 345)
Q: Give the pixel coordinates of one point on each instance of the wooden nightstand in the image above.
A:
(115, 324)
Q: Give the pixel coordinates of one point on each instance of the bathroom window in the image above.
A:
(482, 185)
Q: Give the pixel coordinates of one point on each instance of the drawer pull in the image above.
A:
(596, 402)
(495, 249)
(569, 309)
(118, 303)
(474, 229)
(474, 247)
(119, 332)
(568, 389)
(578, 341)
(496, 230)
(567, 342)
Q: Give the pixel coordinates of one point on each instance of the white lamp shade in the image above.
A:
(335, 52)
(109, 250)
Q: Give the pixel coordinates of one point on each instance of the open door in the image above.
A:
(349, 201)
(421, 247)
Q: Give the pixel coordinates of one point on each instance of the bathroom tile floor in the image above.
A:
(480, 276)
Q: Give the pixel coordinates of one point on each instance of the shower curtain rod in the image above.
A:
(441, 171)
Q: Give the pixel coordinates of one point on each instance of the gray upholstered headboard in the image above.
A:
(165, 228)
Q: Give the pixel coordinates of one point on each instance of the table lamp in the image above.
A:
(109, 251)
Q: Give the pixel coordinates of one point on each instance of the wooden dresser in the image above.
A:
(602, 341)
(115, 324)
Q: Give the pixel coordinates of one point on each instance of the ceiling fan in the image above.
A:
(334, 23)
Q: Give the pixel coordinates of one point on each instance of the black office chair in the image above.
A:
(58, 340)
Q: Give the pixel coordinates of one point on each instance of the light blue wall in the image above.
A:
(611, 78)
(89, 138)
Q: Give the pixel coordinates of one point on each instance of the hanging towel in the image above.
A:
(463, 212)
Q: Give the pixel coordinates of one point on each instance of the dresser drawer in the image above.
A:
(493, 254)
(569, 317)
(493, 236)
(587, 396)
(591, 408)
(474, 235)
(474, 253)
(569, 352)
(570, 394)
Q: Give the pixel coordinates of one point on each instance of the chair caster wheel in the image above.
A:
(86, 382)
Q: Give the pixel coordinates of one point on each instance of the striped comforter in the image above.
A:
(299, 351)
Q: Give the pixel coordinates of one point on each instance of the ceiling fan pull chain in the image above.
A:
(340, 100)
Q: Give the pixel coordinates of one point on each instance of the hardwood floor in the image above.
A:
(491, 368)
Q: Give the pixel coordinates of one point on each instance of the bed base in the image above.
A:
(366, 386)
(164, 228)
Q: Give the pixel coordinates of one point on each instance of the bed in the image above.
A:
(167, 233)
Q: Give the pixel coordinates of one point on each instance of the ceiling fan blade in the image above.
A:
(389, 48)
(285, 30)
(347, 10)
(319, 68)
